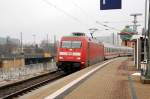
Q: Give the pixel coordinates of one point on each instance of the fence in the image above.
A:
(26, 71)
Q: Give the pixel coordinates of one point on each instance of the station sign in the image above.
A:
(110, 4)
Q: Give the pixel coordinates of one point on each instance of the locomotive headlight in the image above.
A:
(76, 54)
(78, 58)
(60, 57)
(62, 53)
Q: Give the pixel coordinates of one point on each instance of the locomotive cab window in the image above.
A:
(66, 44)
(76, 44)
(71, 44)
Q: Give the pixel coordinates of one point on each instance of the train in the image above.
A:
(79, 51)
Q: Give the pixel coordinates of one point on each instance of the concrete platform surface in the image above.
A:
(110, 82)
(113, 81)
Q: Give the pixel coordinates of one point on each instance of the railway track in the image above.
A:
(19, 88)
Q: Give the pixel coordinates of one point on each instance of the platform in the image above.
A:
(113, 79)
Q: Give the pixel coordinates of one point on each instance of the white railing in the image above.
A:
(26, 71)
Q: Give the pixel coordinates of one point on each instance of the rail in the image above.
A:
(16, 89)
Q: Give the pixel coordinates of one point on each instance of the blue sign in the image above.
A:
(110, 4)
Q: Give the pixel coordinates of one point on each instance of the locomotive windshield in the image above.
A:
(71, 44)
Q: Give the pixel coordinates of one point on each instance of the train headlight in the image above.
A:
(76, 54)
(78, 58)
(60, 57)
(62, 53)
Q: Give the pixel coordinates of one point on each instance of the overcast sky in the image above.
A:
(61, 17)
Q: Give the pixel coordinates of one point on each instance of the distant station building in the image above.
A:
(126, 35)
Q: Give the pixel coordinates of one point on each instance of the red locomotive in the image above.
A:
(79, 51)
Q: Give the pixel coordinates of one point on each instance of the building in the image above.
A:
(126, 35)
(11, 62)
(9, 46)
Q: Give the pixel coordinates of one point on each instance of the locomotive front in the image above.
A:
(71, 55)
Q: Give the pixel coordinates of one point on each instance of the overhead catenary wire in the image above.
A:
(76, 19)
(77, 6)
(120, 21)
(107, 26)
(84, 12)
(64, 12)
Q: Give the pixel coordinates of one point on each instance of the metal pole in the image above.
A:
(14, 62)
(145, 25)
(113, 38)
(148, 55)
(135, 30)
(47, 41)
(21, 42)
(135, 21)
(118, 43)
(145, 31)
(34, 42)
(54, 45)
